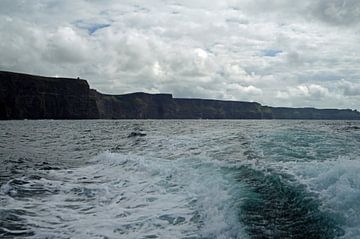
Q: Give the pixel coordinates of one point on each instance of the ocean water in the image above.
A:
(180, 179)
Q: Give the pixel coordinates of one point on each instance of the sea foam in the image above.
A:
(123, 195)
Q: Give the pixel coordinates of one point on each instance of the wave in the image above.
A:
(337, 184)
(131, 196)
(124, 195)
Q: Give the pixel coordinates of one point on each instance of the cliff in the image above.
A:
(25, 96)
(135, 106)
(312, 113)
(218, 109)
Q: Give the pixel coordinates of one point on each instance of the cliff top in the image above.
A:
(4, 75)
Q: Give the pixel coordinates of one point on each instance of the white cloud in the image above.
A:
(66, 46)
(311, 91)
(295, 53)
(250, 90)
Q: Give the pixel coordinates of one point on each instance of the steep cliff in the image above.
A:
(218, 109)
(25, 96)
(135, 106)
(312, 113)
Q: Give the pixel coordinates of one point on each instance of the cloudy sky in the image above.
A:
(279, 52)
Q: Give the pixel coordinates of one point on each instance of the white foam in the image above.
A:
(337, 182)
(7, 189)
(128, 196)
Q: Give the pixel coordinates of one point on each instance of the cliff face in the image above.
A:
(217, 109)
(312, 113)
(164, 106)
(25, 96)
(135, 106)
(34, 97)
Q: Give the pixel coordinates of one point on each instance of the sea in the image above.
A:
(213, 179)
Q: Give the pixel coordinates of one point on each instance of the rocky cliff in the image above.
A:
(135, 106)
(25, 96)
(218, 109)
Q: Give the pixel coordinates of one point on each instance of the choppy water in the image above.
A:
(179, 179)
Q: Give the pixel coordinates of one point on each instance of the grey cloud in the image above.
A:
(340, 12)
(294, 58)
(333, 12)
(231, 49)
(66, 46)
(349, 88)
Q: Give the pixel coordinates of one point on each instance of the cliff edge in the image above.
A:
(24, 96)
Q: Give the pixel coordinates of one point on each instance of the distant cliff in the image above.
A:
(34, 97)
(25, 96)
(135, 106)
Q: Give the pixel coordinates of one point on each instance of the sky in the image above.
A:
(278, 53)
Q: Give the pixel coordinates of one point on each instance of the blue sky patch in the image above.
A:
(95, 27)
(90, 27)
(270, 52)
